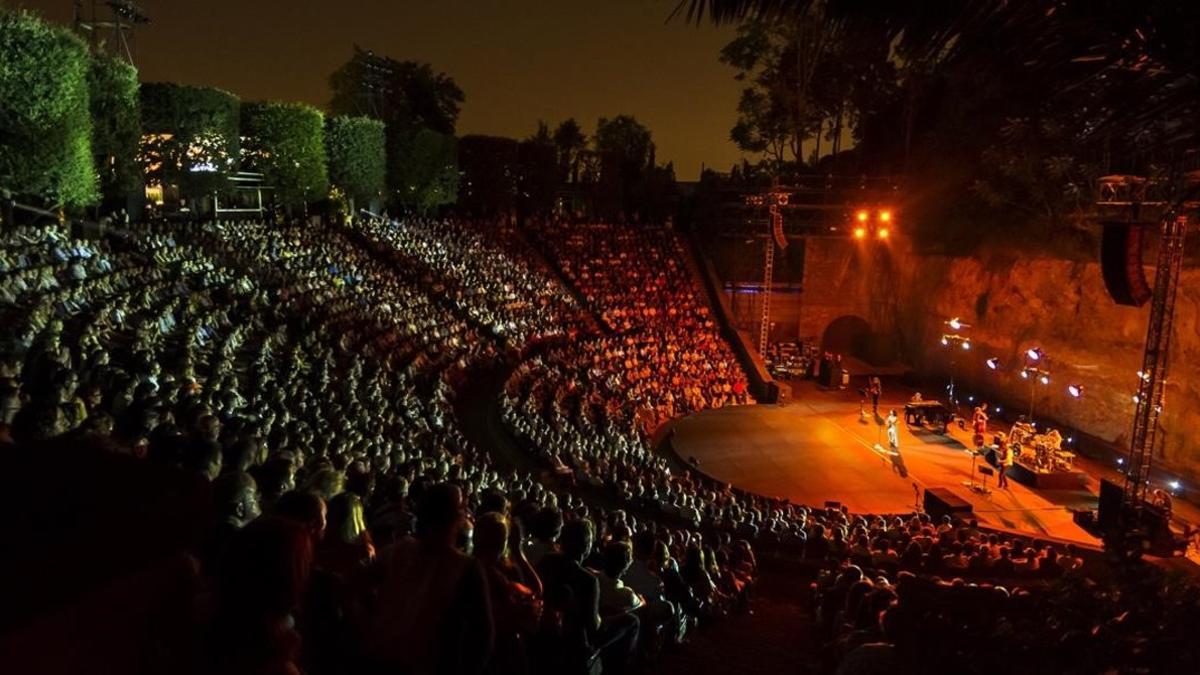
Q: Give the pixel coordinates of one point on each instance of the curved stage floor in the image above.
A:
(818, 448)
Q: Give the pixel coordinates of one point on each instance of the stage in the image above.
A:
(818, 448)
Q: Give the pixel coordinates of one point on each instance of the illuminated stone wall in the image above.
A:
(1061, 306)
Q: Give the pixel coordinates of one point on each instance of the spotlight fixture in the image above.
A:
(1120, 460)
(862, 216)
(860, 233)
(993, 363)
(1025, 373)
(966, 344)
(1034, 353)
(945, 340)
(1044, 379)
(882, 233)
(885, 216)
(1137, 399)
(956, 324)
(1174, 485)
(1075, 390)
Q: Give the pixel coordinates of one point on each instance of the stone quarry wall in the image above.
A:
(1014, 303)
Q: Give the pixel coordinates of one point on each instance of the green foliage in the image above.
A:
(538, 179)
(46, 147)
(190, 136)
(423, 169)
(117, 126)
(286, 143)
(357, 152)
(570, 144)
(403, 94)
(623, 136)
(489, 173)
(626, 154)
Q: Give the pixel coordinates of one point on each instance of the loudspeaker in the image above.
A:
(1121, 264)
(942, 502)
(1112, 496)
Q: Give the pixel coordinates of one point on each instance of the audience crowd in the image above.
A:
(252, 428)
(297, 382)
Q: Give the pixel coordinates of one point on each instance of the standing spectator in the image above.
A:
(433, 615)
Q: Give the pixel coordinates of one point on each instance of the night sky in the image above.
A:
(516, 60)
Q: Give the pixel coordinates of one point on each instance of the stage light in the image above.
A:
(1120, 461)
(970, 399)
(1174, 485)
(955, 323)
(966, 344)
(862, 216)
(882, 233)
(993, 363)
(1070, 439)
(997, 408)
(1034, 354)
(1137, 399)
(860, 233)
(1025, 373)
(1045, 379)
(885, 216)
(1075, 390)
(945, 340)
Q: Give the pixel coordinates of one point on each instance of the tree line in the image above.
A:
(79, 130)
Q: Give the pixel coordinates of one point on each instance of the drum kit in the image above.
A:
(1039, 452)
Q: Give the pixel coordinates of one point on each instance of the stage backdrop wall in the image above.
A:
(1013, 303)
(1062, 307)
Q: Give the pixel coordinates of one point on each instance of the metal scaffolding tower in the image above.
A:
(1155, 360)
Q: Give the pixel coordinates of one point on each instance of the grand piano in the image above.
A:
(933, 414)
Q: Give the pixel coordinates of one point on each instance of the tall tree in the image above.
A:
(490, 173)
(781, 61)
(46, 151)
(356, 148)
(570, 143)
(403, 94)
(423, 169)
(116, 125)
(286, 142)
(626, 153)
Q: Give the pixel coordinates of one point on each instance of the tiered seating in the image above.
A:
(279, 365)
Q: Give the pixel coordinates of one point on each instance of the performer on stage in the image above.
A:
(875, 389)
(893, 433)
(979, 422)
(1006, 461)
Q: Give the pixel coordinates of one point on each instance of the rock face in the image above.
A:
(1062, 307)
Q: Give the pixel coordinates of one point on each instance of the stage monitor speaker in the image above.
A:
(942, 502)
(1112, 496)
(1121, 264)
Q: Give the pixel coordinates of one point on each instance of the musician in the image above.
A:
(1161, 499)
(875, 389)
(1054, 439)
(979, 423)
(893, 432)
(914, 416)
(1006, 461)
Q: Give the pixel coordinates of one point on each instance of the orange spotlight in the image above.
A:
(882, 233)
(860, 233)
(862, 216)
(885, 216)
